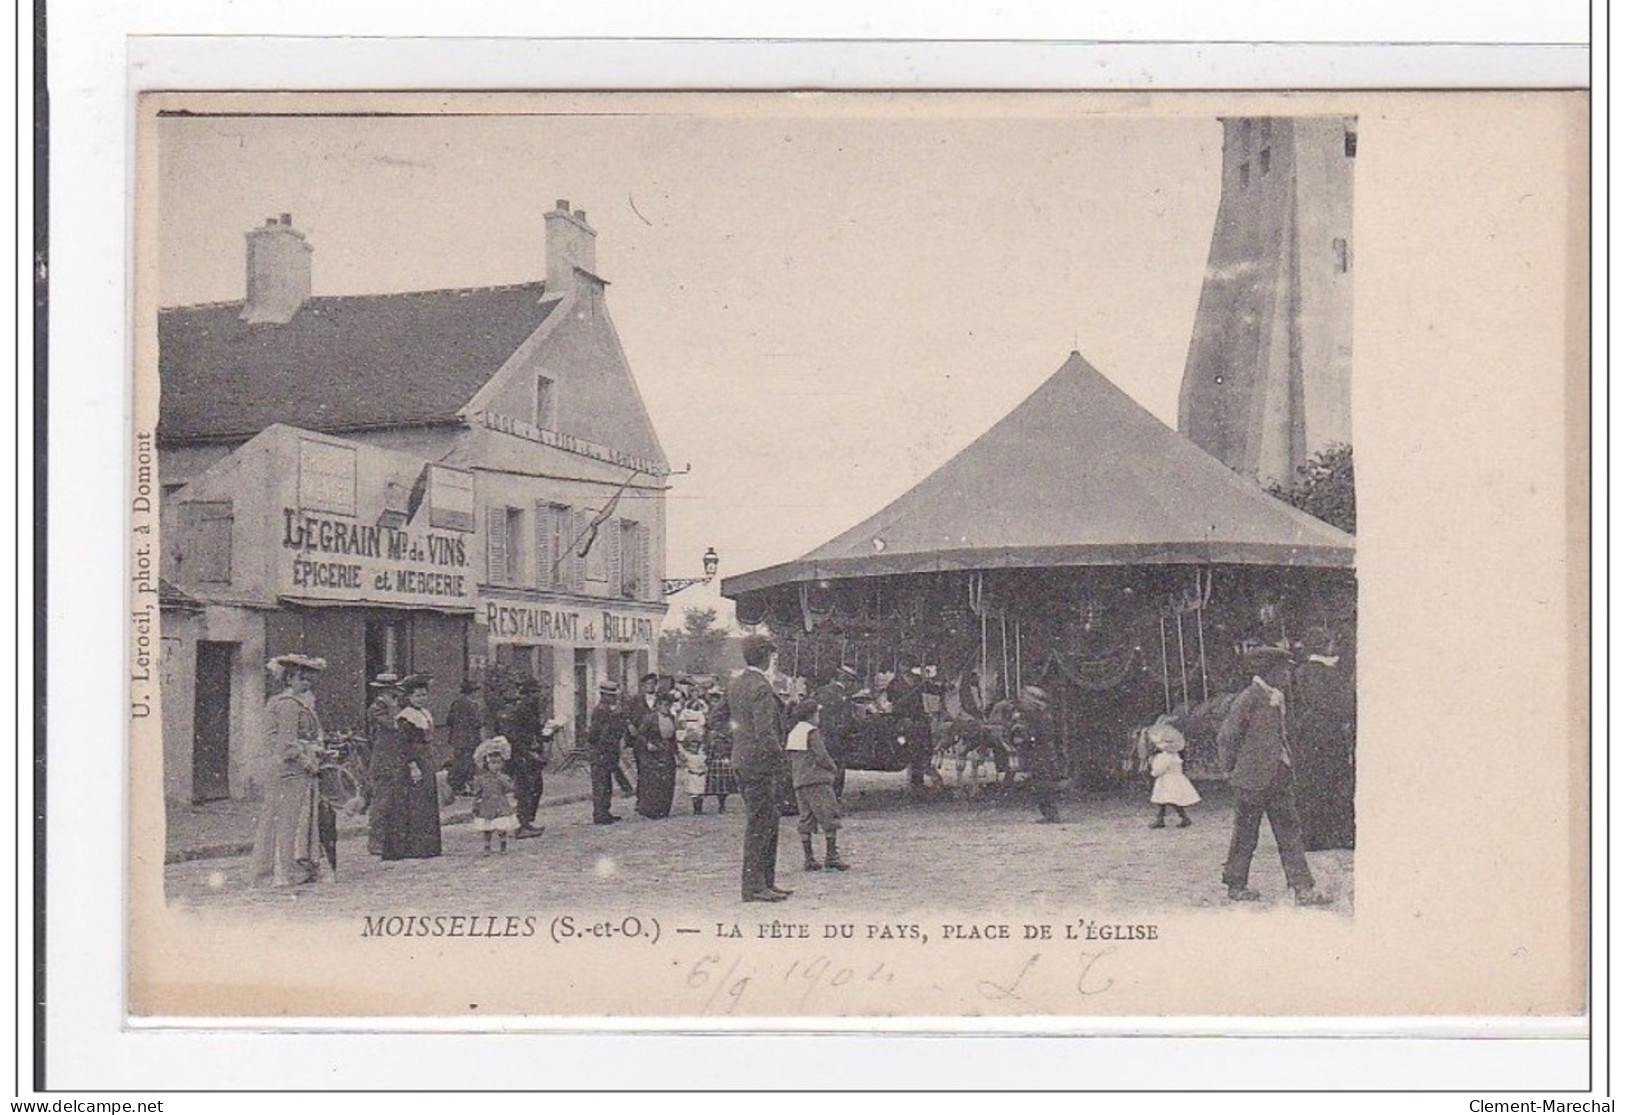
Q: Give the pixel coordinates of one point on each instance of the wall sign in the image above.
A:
(330, 558)
(523, 622)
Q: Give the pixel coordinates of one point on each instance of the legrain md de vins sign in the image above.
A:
(336, 559)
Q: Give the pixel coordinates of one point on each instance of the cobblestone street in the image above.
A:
(945, 852)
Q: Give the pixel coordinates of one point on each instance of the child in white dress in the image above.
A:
(691, 739)
(493, 804)
(1171, 786)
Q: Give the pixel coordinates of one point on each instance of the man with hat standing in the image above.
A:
(523, 727)
(1323, 735)
(464, 729)
(757, 722)
(1032, 731)
(1254, 731)
(606, 735)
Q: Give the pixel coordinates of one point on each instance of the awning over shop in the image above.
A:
(389, 605)
(1078, 474)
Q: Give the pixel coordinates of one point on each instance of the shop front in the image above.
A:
(569, 646)
(301, 542)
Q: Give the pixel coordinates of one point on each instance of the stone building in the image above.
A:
(1266, 382)
(432, 481)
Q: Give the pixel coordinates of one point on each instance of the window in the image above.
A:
(632, 569)
(451, 498)
(1246, 173)
(597, 562)
(326, 477)
(636, 580)
(207, 560)
(552, 538)
(1263, 162)
(1340, 255)
(504, 550)
(1351, 140)
(516, 531)
(545, 400)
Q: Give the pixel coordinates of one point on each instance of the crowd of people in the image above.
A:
(780, 752)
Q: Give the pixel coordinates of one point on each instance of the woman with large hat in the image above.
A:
(287, 841)
(413, 831)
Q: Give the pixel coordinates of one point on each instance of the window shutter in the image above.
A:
(544, 545)
(496, 545)
(646, 589)
(611, 539)
(578, 563)
(211, 525)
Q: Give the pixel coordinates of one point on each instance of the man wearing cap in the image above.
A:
(835, 718)
(1254, 731)
(606, 735)
(758, 731)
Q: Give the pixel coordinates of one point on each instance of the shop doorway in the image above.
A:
(211, 722)
(583, 680)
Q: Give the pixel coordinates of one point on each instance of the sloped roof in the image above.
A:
(342, 363)
(1078, 474)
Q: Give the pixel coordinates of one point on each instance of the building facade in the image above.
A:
(1267, 378)
(445, 481)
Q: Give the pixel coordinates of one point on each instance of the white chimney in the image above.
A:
(278, 272)
(571, 244)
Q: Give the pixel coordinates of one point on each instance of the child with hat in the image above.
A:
(493, 808)
(1171, 786)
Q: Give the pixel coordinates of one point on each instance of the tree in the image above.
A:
(1324, 487)
(697, 647)
(697, 621)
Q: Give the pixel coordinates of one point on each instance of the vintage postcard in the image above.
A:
(794, 556)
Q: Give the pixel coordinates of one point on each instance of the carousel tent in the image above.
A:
(1078, 474)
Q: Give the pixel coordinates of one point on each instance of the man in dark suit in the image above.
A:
(1254, 732)
(1323, 741)
(758, 729)
(606, 735)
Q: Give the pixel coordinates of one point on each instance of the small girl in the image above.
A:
(493, 809)
(691, 738)
(1171, 786)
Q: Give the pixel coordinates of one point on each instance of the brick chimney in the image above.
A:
(571, 244)
(278, 272)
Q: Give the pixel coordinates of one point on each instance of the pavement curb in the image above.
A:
(235, 848)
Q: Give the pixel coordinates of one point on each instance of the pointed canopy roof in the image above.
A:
(1078, 474)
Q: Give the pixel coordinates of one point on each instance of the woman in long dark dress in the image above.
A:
(384, 767)
(413, 828)
(654, 735)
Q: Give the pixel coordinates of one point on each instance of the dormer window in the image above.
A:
(546, 415)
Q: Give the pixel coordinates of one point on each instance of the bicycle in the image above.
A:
(343, 780)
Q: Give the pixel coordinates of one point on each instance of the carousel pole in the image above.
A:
(1201, 636)
(1018, 654)
(1004, 645)
(1184, 679)
(1201, 652)
(1167, 691)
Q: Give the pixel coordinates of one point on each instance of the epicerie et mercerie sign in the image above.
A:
(510, 621)
(336, 559)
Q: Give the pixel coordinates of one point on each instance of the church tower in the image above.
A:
(1266, 382)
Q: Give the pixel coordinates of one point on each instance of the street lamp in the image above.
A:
(710, 561)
